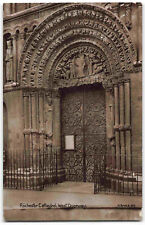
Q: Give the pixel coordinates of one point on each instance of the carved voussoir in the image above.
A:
(87, 21)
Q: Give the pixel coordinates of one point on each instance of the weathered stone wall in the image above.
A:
(136, 119)
(15, 120)
(11, 8)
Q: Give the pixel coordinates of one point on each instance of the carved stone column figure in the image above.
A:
(110, 157)
(15, 57)
(127, 125)
(117, 135)
(121, 126)
(48, 117)
(9, 61)
(56, 143)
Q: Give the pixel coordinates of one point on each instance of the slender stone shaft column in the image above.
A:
(41, 120)
(116, 109)
(41, 112)
(56, 119)
(26, 129)
(7, 9)
(26, 111)
(108, 127)
(20, 44)
(56, 125)
(134, 19)
(22, 41)
(34, 110)
(139, 31)
(127, 125)
(13, 7)
(34, 130)
(122, 141)
(112, 131)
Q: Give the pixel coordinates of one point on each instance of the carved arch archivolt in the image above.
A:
(84, 24)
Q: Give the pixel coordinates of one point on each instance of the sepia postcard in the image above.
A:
(72, 111)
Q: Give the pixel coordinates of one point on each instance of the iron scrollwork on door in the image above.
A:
(83, 115)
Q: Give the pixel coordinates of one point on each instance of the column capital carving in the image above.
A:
(21, 35)
(26, 94)
(110, 90)
(41, 93)
(48, 93)
(56, 93)
(14, 37)
(120, 83)
(127, 81)
(33, 93)
(116, 85)
(48, 96)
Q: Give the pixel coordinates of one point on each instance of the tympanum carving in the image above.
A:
(80, 62)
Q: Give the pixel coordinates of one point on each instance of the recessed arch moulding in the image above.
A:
(77, 33)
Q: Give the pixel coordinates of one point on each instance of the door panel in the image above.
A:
(83, 115)
(72, 123)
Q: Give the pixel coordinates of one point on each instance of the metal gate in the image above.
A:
(83, 116)
(116, 181)
(29, 169)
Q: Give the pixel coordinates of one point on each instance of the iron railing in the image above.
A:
(30, 170)
(37, 170)
(117, 180)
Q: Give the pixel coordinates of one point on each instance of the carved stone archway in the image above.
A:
(96, 37)
(78, 22)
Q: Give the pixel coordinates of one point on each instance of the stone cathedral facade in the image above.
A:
(72, 85)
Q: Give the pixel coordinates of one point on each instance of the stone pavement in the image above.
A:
(67, 195)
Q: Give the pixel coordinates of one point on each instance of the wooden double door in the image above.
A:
(83, 117)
